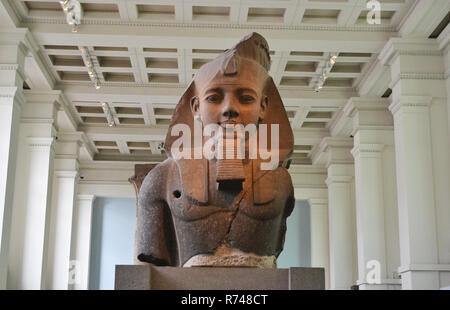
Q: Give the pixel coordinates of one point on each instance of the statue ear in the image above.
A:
(263, 109)
(195, 106)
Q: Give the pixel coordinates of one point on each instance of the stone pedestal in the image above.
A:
(148, 277)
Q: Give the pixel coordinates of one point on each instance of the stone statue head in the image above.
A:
(235, 88)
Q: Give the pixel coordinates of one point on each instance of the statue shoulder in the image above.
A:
(154, 184)
(285, 180)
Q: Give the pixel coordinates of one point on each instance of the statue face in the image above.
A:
(236, 99)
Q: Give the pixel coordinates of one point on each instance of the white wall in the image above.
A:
(112, 239)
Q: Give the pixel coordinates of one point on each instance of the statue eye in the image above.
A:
(247, 99)
(213, 98)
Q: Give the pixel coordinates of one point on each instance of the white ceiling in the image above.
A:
(146, 52)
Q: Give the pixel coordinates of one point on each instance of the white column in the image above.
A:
(12, 57)
(320, 251)
(31, 202)
(418, 240)
(422, 147)
(64, 190)
(32, 196)
(445, 46)
(376, 201)
(341, 211)
(81, 242)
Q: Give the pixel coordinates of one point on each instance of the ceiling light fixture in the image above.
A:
(108, 113)
(73, 11)
(89, 61)
(325, 71)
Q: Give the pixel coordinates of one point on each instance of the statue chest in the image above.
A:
(261, 196)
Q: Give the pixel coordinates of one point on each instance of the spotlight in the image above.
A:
(108, 114)
(74, 12)
(88, 61)
(325, 71)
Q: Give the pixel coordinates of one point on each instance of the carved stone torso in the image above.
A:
(251, 219)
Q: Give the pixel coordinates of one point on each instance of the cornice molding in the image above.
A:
(356, 104)
(8, 91)
(419, 76)
(119, 22)
(108, 165)
(14, 98)
(316, 202)
(124, 84)
(367, 150)
(12, 10)
(422, 76)
(26, 120)
(408, 47)
(66, 157)
(410, 102)
(14, 36)
(105, 182)
(423, 267)
(43, 96)
(307, 169)
(9, 67)
(41, 143)
(76, 136)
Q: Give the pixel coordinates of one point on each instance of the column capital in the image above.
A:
(69, 174)
(86, 197)
(367, 150)
(338, 179)
(358, 104)
(410, 102)
(318, 202)
(13, 36)
(408, 46)
(338, 150)
(8, 91)
(41, 143)
(369, 113)
(328, 143)
(47, 96)
(69, 143)
(12, 95)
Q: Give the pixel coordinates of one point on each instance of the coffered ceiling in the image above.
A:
(145, 53)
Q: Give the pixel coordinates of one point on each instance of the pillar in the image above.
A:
(341, 217)
(32, 195)
(376, 197)
(65, 181)
(320, 252)
(12, 59)
(422, 149)
(81, 242)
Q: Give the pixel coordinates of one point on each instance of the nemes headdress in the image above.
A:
(252, 48)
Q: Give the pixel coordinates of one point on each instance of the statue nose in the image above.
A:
(230, 109)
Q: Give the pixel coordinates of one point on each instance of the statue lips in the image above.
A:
(228, 122)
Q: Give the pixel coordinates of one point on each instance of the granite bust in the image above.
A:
(221, 211)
